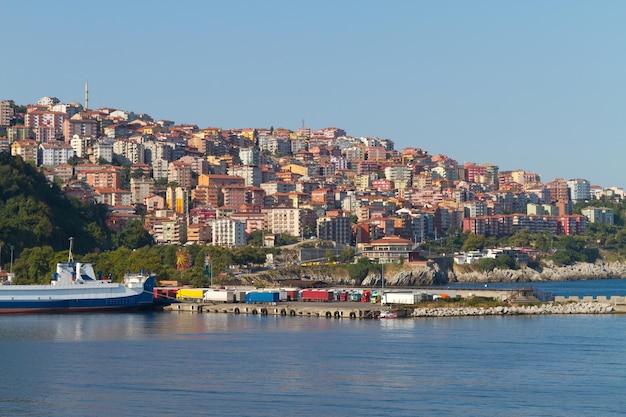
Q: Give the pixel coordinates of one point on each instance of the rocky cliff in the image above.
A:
(433, 273)
(409, 275)
(548, 272)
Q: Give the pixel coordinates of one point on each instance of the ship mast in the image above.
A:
(70, 258)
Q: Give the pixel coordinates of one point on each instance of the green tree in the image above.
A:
(504, 261)
(73, 160)
(564, 257)
(359, 270)
(485, 264)
(283, 239)
(99, 235)
(522, 238)
(474, 242)
(256, 238)
(347, 255)
(134, 236)
(34, 266)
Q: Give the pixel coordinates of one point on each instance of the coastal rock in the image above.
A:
(441, 272)
(409, 275)
(548, 272)
(554, 308)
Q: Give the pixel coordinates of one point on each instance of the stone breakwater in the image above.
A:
(547, 272)
(532, 310)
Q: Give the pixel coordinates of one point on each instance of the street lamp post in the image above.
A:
(11, 269)
(382, 282)
(208, 266)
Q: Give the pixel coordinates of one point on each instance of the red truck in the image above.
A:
(317, 295)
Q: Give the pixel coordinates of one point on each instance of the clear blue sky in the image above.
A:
(534, 85)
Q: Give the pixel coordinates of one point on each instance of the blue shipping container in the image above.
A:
(254, 297)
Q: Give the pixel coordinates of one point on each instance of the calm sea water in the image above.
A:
(188, 364)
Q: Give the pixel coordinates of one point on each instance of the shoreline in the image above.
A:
(368, 311)
(590, 307)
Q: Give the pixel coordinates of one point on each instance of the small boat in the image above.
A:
(76, 288)
(388, 314)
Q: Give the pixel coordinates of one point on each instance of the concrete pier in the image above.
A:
(334, 310)
(618, 302)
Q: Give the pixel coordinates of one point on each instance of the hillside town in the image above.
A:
(191, 184)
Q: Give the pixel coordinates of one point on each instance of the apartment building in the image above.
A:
(337, 229)
(251, 174)
(177, 199)
(580, 190)
(6, 112)
(180, 173)
(228, 232)
(284, 220)
(109, 177)
(401, 175)
(128, 152)
(103, 151)
(27, 149)
(198, 233)
(140, 188)
(205, 196)
(79, 125)
(46, 124)
(55, 154)
(602, 215)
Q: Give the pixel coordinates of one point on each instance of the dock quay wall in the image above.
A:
(617, 302)
(328, 310)
(367, 311)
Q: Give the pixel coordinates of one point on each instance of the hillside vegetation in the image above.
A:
(34, 212)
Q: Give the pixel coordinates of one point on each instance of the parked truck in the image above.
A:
(165, 292)
(317, 295)
(254, 297)
(190, 294)
(219, 296)
(408, 298)
(289, 294)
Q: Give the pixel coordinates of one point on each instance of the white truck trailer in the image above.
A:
(408, 298)
(219, 296)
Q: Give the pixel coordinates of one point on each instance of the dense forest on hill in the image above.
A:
(37, 220)
(34, 212)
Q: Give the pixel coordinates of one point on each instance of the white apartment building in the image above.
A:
(103, 150)
(6, 112)
(160, 168)
(228, 232)
(55, 154)
(154, 150)
(80, 145)
(249, 156)
(251, 174)
(141, 188)
(401, 175)
(284, 220)
(580, 190)
(128, 152)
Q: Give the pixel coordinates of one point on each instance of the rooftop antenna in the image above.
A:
(86, 95)
(70, 258)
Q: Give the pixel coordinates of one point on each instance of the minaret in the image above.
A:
(86, 95)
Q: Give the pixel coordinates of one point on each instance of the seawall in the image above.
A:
(532, 310)
(340, 310)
